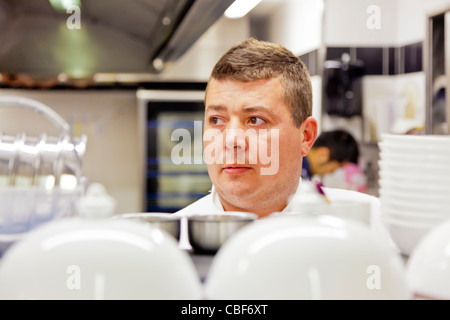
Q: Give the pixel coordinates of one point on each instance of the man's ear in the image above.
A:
(309, 130)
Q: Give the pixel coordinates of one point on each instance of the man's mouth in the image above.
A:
(236, 169)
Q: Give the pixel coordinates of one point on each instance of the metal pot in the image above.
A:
(164, 221)
(207, 233)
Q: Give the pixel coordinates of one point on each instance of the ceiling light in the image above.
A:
(240, 8)
(63, 5)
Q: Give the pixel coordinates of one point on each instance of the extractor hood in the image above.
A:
(104, 36)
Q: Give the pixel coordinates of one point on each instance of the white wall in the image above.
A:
(402, 21)
(412, 18)
(346, 23)
(297, 25)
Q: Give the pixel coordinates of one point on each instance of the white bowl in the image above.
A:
(406, 218)
(406, 234)
(417, 140)
(306, 257)
(428, 267)
(417, 186)
(427, 151)
(395, 146)
(422, 197)
(414, 149)
(88, 259)
(414, 206)
(413, 165)
(428, 141)
(414, 177)
(430, 170)
(416, 216)
(416, 161)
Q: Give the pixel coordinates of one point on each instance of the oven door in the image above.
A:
(174, 173)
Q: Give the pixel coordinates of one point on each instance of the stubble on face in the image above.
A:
(248, 190)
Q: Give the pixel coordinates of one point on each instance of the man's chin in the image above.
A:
(237, 194)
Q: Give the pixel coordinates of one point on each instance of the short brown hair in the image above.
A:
(252, 60)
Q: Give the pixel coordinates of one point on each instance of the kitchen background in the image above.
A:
(390, 96)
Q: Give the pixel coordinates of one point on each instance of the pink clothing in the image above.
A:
(354, 177)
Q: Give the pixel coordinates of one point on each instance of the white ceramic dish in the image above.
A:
(406, 234)
(389, 215)
(306, 257)
(428, 267)
(417, 213)
(416, 197)
(94, 258)
(416, 216)
(410, 145)
(417, 160)
(416, 177)
(416, 203)
(414, 185)
(431, 170)
(416, 153)
(441, 140)
(415, 206)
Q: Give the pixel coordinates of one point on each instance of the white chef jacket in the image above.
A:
(210, 204)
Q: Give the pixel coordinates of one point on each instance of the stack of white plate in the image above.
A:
(414, 185)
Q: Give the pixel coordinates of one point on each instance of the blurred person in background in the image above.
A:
(333, 158)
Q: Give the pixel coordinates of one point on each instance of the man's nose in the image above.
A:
(235, 135)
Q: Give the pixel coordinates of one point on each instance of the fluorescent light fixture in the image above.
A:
(239, 8)
(63, 5)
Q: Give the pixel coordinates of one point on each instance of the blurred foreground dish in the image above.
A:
(93, 257)
(306, 257)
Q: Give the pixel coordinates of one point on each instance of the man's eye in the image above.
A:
(216, 120)
(256, 120)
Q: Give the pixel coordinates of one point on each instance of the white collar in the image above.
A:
(216, 199)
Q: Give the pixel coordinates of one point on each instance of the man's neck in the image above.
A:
(261, 212)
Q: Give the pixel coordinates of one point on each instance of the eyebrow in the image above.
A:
(251, 109)
(215, 107)
(248, 109)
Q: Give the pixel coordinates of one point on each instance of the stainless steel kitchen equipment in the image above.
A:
(40, 177)
(168, 120)
(207, 233)
(80, 38)
(164, 221)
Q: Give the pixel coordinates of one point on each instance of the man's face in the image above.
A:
(252, 147)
